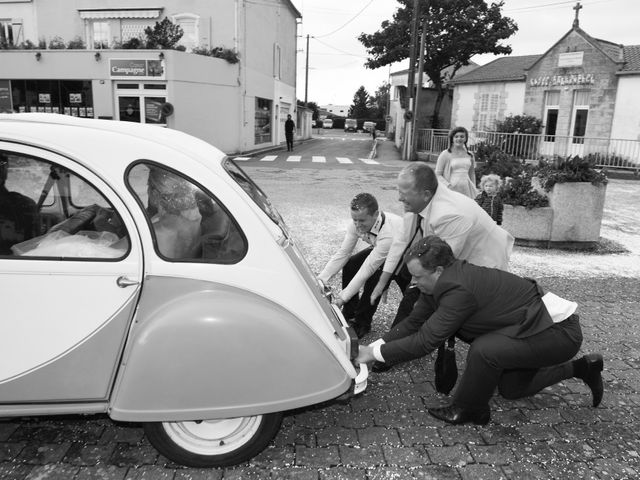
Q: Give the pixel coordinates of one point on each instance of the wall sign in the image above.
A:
(136, 68)
(560, 80)
(570, 59)
(44, 98)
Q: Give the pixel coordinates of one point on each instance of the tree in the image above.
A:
(313, 106)
(361, 107)
(455, 31)
(380, 101)
(164, 34)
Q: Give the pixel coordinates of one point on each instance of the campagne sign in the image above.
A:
(555, 80)
(136, 68)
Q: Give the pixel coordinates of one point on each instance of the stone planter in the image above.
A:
(528, 226)
(572, 220)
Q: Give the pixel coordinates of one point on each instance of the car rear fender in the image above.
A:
(201, 349)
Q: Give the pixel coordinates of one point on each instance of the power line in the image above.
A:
(337, 49)
(347, 23)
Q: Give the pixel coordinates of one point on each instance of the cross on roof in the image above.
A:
(577, 8)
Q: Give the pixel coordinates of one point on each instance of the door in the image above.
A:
(70, 275)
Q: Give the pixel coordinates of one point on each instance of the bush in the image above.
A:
(164, 34)
(520, 191)
(574, 169)
(519, 124)
(76, 44)
(133, 44)
(219, 52)
(496, 161)
(56, 43)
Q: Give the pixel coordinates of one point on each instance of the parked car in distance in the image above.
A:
(153, 257)
(368, 126)
(350, 125)
(327, 123)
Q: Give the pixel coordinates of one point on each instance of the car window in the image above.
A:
(187, 222)
(48, 211)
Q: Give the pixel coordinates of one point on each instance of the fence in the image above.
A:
(607, 152)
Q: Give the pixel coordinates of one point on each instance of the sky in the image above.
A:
(337, 58)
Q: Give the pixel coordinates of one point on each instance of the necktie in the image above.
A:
(417, 235)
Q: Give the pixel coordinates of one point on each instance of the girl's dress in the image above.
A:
(457, 172)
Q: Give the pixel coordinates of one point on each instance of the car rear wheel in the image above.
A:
(213, 443)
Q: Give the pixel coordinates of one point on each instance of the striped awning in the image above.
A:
(121, 13)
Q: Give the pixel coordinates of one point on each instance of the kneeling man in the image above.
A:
(520, 341)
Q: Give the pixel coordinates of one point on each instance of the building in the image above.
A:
(583, 89)
(237, 106)
(336, 110)
(398, 103)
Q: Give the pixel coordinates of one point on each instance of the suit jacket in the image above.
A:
(464, 225)
(468, 301)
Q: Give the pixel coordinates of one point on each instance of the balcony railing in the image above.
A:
(607, 152)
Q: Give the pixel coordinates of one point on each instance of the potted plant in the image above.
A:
(555, 203)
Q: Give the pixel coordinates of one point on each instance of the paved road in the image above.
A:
(386, 433)
(348, 151)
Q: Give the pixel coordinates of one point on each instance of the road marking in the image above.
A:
(242, 159)
(269, 158)
(368, 161)
(315, 159)
(343, 160)
(293, 158)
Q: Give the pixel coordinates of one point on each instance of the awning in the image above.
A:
(121, 13)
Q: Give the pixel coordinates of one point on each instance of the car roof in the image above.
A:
(43, 130)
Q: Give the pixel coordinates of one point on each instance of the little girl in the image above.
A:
(490, 199)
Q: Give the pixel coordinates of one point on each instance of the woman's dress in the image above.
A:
(459, 179)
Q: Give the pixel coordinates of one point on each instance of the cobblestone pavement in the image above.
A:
(386, 433)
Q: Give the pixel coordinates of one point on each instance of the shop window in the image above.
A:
(141, 102)
(262, 121)
(190, 28)
(69, 97)
(580, 114)
(187, 223)
(552, 101)
(47, 211)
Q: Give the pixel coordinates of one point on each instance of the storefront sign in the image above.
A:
(561, 80)
(136, 68)
(5, 97)
(570, 59)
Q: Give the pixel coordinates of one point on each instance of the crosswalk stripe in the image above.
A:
(318, 159)
(242, 159)
(343, 160)
(269, 158)
(293, 158)
(368, 161)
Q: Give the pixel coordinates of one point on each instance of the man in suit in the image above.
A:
(433, 209)
(520, 341)
(362, 269)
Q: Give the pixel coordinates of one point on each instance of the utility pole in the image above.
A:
(306, 74)
(414, 120)
(408, 132)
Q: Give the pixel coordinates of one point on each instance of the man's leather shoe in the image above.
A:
(458, 415)
(361, 330)
(380, 367)
(589, 370)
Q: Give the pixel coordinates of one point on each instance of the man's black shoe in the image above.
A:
(361, 330)
(380, 367)
(589, 370)
(458, 415)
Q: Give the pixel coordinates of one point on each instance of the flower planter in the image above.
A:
(529, 226)
(572, 220)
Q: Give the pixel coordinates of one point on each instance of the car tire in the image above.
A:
(213, 443)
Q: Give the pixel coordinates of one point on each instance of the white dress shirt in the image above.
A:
(381, 237)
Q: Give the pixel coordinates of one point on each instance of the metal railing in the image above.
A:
(606, 152)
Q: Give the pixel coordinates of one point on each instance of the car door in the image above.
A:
(70, 275)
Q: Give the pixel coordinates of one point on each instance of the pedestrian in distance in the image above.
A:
(490, 199)
(521, 341)
(432, 209)
(456, 166)
(289, 127)
(361, 270)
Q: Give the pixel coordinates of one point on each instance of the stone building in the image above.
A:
(583, 89)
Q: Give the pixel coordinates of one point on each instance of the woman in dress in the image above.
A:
(456, 165)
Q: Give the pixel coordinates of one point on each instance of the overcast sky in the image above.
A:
(336, 57)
